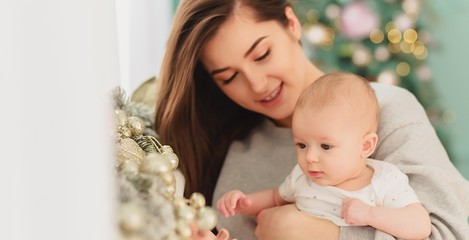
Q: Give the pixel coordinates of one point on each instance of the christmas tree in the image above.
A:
(384, 41)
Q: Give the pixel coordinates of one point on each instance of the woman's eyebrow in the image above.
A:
(216, 71)
(253, 46)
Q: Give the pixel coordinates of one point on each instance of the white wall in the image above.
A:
(58, 62)
(143, 28)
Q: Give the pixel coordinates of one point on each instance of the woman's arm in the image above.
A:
(408, 140)
(287, 222)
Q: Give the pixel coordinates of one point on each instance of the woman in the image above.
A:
(232, 73)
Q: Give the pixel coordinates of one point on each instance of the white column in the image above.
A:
(58, 63)
(143, 28)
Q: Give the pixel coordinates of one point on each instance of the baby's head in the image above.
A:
(345, 91)
(334, 126)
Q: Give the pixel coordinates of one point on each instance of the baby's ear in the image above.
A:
(369, 143)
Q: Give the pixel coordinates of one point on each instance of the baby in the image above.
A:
(334, 127)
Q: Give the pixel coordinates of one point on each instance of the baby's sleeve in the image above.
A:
(287, 188)
(396, 191)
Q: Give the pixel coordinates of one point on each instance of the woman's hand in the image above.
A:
(208, 235)
(287, 222)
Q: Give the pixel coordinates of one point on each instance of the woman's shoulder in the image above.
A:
(398, 104)
(391, 94)
(399, 109)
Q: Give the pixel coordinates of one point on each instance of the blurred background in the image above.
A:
(419, 45)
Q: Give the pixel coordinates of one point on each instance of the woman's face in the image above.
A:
(259, 65)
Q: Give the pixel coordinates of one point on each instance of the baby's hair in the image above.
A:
(355, 90)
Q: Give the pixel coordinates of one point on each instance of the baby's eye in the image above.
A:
(326, 146)
(301, 145)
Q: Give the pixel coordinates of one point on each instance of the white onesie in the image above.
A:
(389, 187)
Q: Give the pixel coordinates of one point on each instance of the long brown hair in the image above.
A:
(193, 115)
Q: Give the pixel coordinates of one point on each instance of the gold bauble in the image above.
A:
(197, 200)
(155, 163)
(172, 158)
(131, 217)
(167, 149)
(128, 149)
(206, 219)
(129, 166)
(179, 202)
(168, 178)
(136, 125)
(168, 191)
(183, 229)
(186, 212)
(125, 132)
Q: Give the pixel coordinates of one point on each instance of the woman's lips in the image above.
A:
(274, 97)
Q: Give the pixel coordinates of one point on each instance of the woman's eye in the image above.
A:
(227, 81)
(265, 55)
(301, 145)
(326, 146)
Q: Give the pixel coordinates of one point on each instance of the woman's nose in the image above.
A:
(257, 81)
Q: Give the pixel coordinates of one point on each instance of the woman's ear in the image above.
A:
(369, 143)
(293, 23)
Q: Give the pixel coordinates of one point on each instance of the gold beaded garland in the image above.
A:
(145, 158)
(206, 218)
(197, 200)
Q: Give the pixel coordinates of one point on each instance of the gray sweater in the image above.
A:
(406, 139)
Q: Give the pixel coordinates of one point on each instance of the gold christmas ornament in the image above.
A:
(168, 178)
(132, 217)
(136, 125)
(128, 149)
(197, 201)
(124, 131)
(172, 158)
(149, 208)
(129, 167)
(155, 163)
(206, 218)
(185, 212)
(183, 229)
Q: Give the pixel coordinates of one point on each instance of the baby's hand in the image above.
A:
(355, 212)
(232, 203)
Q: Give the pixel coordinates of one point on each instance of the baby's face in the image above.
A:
(329, 143)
